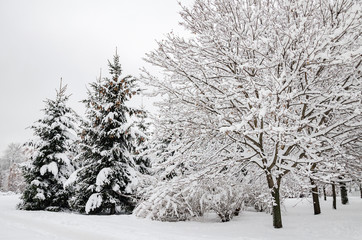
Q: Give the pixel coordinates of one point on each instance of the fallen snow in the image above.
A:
(298, 220)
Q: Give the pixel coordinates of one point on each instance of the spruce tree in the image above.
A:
(104, 183)
(141, 150)
(50, 164)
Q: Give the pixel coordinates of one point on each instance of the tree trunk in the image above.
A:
(334, 196)
(277, 216)
(344, 194)
(316, 205)
(324, 193)
(360, 189)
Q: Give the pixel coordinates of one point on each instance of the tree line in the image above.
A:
(261, 102)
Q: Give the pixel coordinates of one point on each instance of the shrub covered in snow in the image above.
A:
(181, 199)
(224, 198)
(166, 202)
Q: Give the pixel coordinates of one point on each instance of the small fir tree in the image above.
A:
(104, 184)
(50, 163)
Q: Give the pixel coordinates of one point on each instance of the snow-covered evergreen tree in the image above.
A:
(49, 164)
(141, 157)
(104, 184)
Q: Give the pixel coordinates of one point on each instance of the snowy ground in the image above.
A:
(298, 220)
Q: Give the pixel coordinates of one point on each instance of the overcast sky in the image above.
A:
(44, 40)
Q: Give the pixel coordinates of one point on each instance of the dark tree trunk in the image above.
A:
(324, 193)
(277, 216)
(316, 205)
(334, 196)
(344, 194)
(360, 189)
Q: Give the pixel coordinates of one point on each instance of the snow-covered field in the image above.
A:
(298, 219)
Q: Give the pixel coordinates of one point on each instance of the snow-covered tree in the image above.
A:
(104, 184)
(10, 170)
(352, 159)
(182, 186)
(16, 181)
(50, 165)
(273, 83)
(141, 157)
(14, 153)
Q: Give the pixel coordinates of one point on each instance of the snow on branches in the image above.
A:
(274, 83)
(105, 183)
(50, 152)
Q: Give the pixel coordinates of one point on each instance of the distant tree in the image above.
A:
(16, 181)
(309, 170)
(344, 193)
(10, 176)
(4, 175)
(14, 153)
(50, 165)
(352, 160)
(105, 182)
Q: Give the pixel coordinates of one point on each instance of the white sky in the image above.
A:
(44, 40)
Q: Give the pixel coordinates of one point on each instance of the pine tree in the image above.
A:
(49, 164)
(141, 157)
(104, 183)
